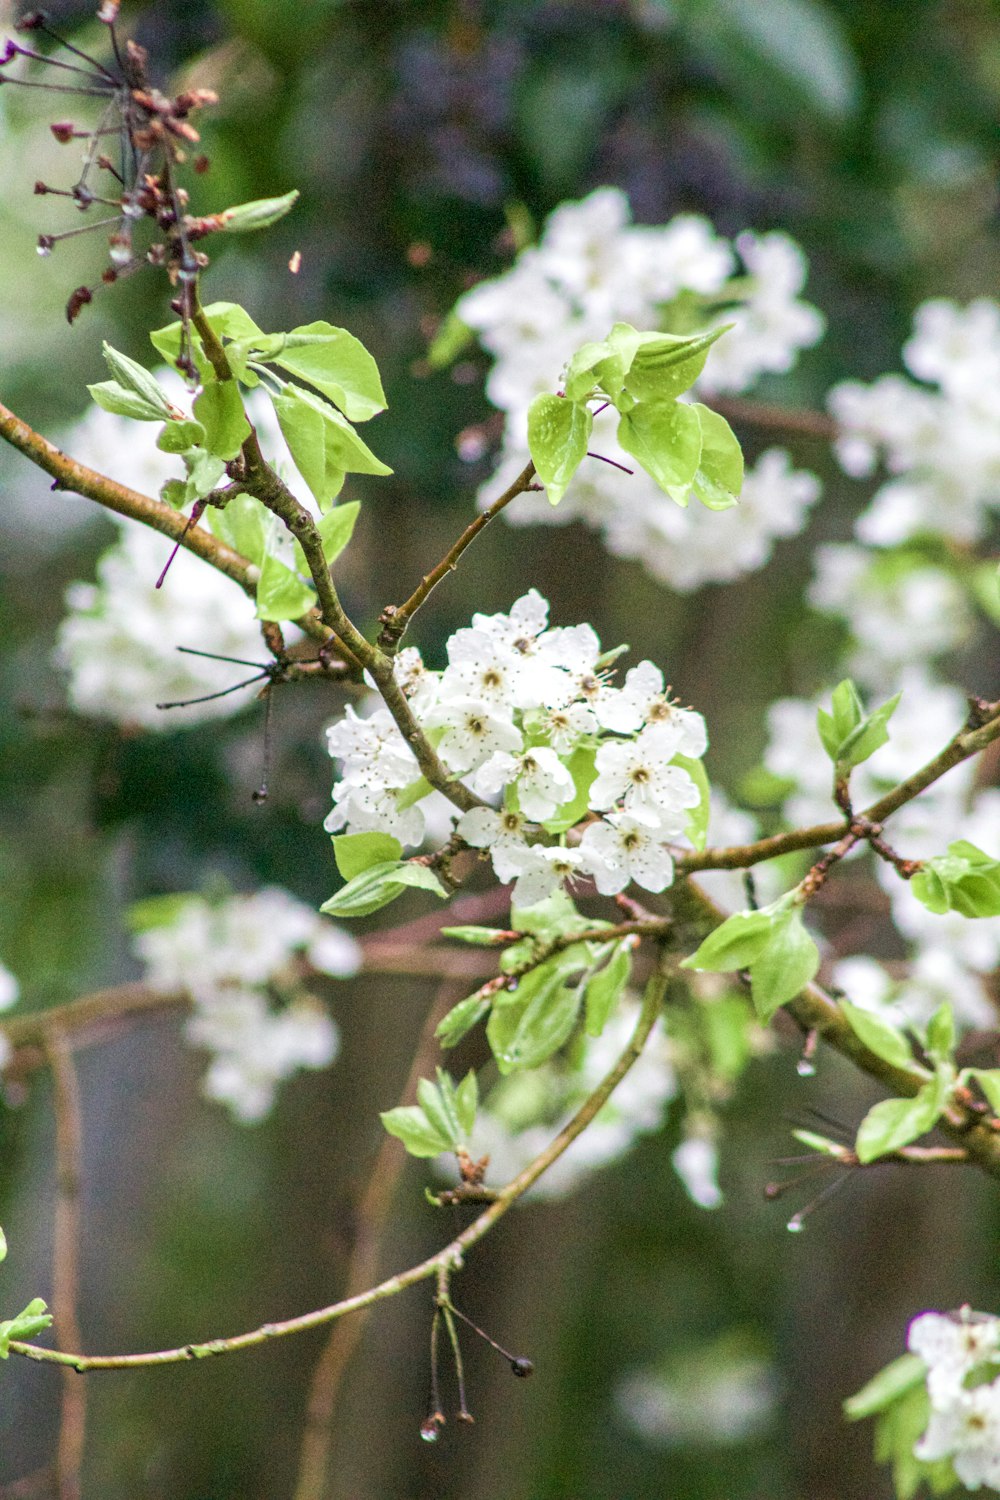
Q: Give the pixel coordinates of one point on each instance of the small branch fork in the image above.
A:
(450, 1258)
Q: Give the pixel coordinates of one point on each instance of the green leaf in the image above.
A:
(665, 365)
(582, 767)
(355, 852)
(157, 911)
(337, 527)
(696, 825)
(785, 967)
(220, 411)
(452, 337)
(378, 885)
(896, 1122)
(819, 1143)
(337, 364)
(178, 437)
(118, 399)
(467, 1102)
(461, 1018)
(558, 433)
(734, 944)
(410, 1125)
(554, 917)
(964, 880)
(603, 990)
(281, 594)
(243, 524)
(988, 1080)
(529, 1024)
(323, 444)
(437, 1103)
(886, 1387)
(939, 1041)
(849, 735)
(227, 319)
(261, 213)
(595, 366)
(719, 477)
(480, 937)
(27, 1325)
(204, 471)
(665, 437)
(134, 377)
(879, 1035)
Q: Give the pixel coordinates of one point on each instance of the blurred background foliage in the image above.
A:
(427, 138)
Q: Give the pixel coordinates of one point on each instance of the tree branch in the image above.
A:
(66, 1258)
(449, 1258)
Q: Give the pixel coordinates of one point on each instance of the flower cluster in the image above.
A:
(119, 640)
(941, 445)
(245, 962)
(527, 719)
(593, 267)
(961, 1351)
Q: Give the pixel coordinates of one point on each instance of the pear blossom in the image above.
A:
(639, 773)
(540, 871)
(543, 783)
(620, 849)
(502, 833)
(472, 733)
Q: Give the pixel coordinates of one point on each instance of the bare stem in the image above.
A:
(370, 1220)
(66, 1258)
(395, 621)
(448, 1258)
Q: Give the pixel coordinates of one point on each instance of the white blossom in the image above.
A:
(10, 990)
(638, 772)
(540, 871)
(502, 833)
(235, 958)
(696, 1162)
(619, 849)
(473, 732)
(543, 783)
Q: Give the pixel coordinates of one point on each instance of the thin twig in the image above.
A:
(450, 1256)
(395, 621)
(66, 1258)
(370, 1221)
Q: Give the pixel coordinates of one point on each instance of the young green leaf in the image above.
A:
(879, 1035)
(583, 769)
(964, 880)
(418, 1134)
(734, 944)
(896, 1122)
(719, 477)
(988, 1080)
(467, 1102)
(665, 365)
(227, 319)
(337, 364)
(594, 367)
(939, 1040)
(696, 826)
(461, 1018)
(665, 436)
(603, 990)
(356, 852)
(438, 1104)
(378, 885)
(558, 434)
(118, 399)
(850, 736)
(529, 1024)
(178, 437)
(243, 524)
(28, 1324)
(886, 1387)
(480, 937)
(220, 411)
(323, 444)
(281, 594)
(134, 377)
(261, 213)
(785, 966)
